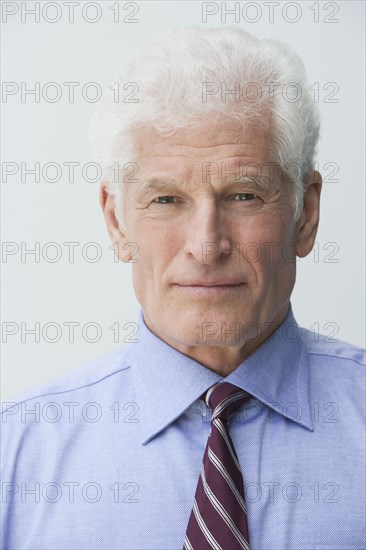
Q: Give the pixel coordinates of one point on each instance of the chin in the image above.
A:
(206, 326)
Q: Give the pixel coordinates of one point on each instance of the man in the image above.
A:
(225, 425)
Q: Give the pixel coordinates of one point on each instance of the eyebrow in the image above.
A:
(156, 184)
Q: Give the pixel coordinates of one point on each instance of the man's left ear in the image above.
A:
(307, 225)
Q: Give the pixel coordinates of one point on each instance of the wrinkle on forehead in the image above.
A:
(227, 138)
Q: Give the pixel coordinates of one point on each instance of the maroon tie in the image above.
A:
(219, 519)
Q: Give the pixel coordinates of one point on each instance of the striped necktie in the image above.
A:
(219, 519)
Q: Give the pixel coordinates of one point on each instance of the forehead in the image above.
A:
(227, 141)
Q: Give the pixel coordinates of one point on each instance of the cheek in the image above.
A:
(269, 243)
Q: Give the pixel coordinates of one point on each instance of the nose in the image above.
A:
(207, 233)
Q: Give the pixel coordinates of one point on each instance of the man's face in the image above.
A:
(214, 251)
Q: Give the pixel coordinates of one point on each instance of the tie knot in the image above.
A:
(224, 399)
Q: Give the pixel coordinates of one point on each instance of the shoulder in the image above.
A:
(89, 377)
(328, 349)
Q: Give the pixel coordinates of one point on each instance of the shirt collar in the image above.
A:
(168, 381)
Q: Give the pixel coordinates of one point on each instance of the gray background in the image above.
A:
(329, 293)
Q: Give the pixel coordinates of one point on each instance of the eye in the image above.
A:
(246, 197)
(166, 199)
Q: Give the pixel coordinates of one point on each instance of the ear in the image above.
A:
(116, 232)
(307, 225)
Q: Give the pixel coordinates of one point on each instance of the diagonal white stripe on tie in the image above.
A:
(225, 474)
(211, 539)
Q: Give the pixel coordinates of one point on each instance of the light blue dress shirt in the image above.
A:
(108, 456)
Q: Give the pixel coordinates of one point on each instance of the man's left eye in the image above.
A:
(246, 196)
(167, 199)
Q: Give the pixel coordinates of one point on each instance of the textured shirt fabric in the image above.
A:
(108, 456)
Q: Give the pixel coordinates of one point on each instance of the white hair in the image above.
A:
(180, 78)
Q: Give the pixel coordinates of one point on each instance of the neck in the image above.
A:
(225, 359)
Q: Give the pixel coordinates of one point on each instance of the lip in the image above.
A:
(210, 290)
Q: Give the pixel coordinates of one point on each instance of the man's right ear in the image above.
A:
(117, 234)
